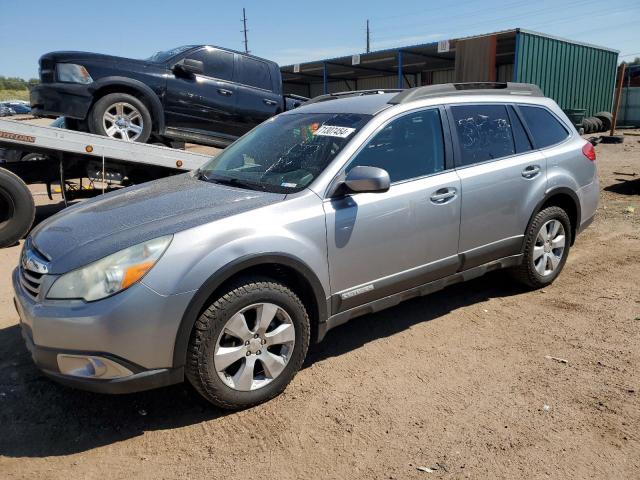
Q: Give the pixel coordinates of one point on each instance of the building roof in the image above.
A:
(414, 59)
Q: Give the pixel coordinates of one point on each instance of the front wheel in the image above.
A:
(121, 116)
(248, 344)
(547, 244)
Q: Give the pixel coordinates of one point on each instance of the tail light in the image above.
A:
(589, 152)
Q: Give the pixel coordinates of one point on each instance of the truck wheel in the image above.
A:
(17, 209)
(121, 116)
(248, 344)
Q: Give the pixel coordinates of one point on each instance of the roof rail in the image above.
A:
(352, 93)
(473, 88)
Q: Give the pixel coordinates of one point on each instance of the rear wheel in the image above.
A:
(547, 244)
(17, 209)
(248, 344)
(121, 116)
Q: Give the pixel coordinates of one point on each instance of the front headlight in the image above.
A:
(111, 274)
(70, 72)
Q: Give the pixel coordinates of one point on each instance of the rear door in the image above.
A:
(205, 102)
(258, 99)
(383, 243)
(502, 180)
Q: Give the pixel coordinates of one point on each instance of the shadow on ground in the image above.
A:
(625, 186)
(41, 418)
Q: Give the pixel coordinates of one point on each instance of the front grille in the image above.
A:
(30, 281)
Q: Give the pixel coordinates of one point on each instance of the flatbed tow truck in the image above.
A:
(69, 155)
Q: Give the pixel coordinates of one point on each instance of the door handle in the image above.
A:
(225, 92)
(268, 102)
(443, 195)
(531, 171)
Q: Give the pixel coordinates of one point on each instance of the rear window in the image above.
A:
(543, 125)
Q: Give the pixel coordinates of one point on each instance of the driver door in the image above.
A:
(384, 243)
(207, 101)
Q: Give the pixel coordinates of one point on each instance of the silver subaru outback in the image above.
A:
(348, 205)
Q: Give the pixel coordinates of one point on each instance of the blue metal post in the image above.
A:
(400, 76)
(325, 85)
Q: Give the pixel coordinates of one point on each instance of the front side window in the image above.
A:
(545, 128)
(285, 153)
(216, 63)
(484, 133)
(408, 147)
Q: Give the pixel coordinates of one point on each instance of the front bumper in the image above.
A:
(61, 99)
(135, 329)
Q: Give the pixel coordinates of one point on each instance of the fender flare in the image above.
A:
(200, 298)
(157, 111)
(547, 196)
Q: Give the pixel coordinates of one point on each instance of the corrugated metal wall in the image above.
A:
(444, 76)
(629, 113)
(575, 76)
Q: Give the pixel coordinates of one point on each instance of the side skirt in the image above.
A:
(425, 289)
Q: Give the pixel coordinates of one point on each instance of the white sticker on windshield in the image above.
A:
(332, 131)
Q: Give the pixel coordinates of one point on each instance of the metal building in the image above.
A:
(575, 75)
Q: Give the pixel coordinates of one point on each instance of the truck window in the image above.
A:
(216, 63)
(255, 73)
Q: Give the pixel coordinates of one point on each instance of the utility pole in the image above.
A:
(368, 41)
(244, 22)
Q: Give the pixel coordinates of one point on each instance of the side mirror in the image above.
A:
(367, 179)
(189, 66)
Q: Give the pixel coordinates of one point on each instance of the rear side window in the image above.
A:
(545, 128)
(520, 137)
(408, 147)
(215, 63)
(255, 73)
(484, 133)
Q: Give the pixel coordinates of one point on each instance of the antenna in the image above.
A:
(244, 22)
(368, 36)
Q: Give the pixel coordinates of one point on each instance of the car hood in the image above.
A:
(52, 58)
(104, 225)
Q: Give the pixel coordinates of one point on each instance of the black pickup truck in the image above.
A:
(194, 93)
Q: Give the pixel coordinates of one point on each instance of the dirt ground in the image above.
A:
(457, 382)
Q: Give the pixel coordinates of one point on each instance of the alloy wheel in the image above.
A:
(549, 248)
(124, 121)
(254, 346)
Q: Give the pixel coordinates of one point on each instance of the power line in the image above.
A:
(244, 22)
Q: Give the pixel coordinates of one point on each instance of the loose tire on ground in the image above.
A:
(103, 105)
(526, 273)
(606, 118)
(211, 326)
(17, 209)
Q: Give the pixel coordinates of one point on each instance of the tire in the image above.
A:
(588, 125)
(17, 209)
(606, 118)
(227, 387)
(599, 126)
(529, 272)
(33, 157)
(121, 107)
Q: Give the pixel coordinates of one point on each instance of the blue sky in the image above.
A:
(292, 31)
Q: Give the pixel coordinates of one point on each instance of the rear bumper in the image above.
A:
(61, 99)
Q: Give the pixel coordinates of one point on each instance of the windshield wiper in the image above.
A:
(234, 182)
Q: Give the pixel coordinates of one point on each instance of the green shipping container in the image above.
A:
(576, 76)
